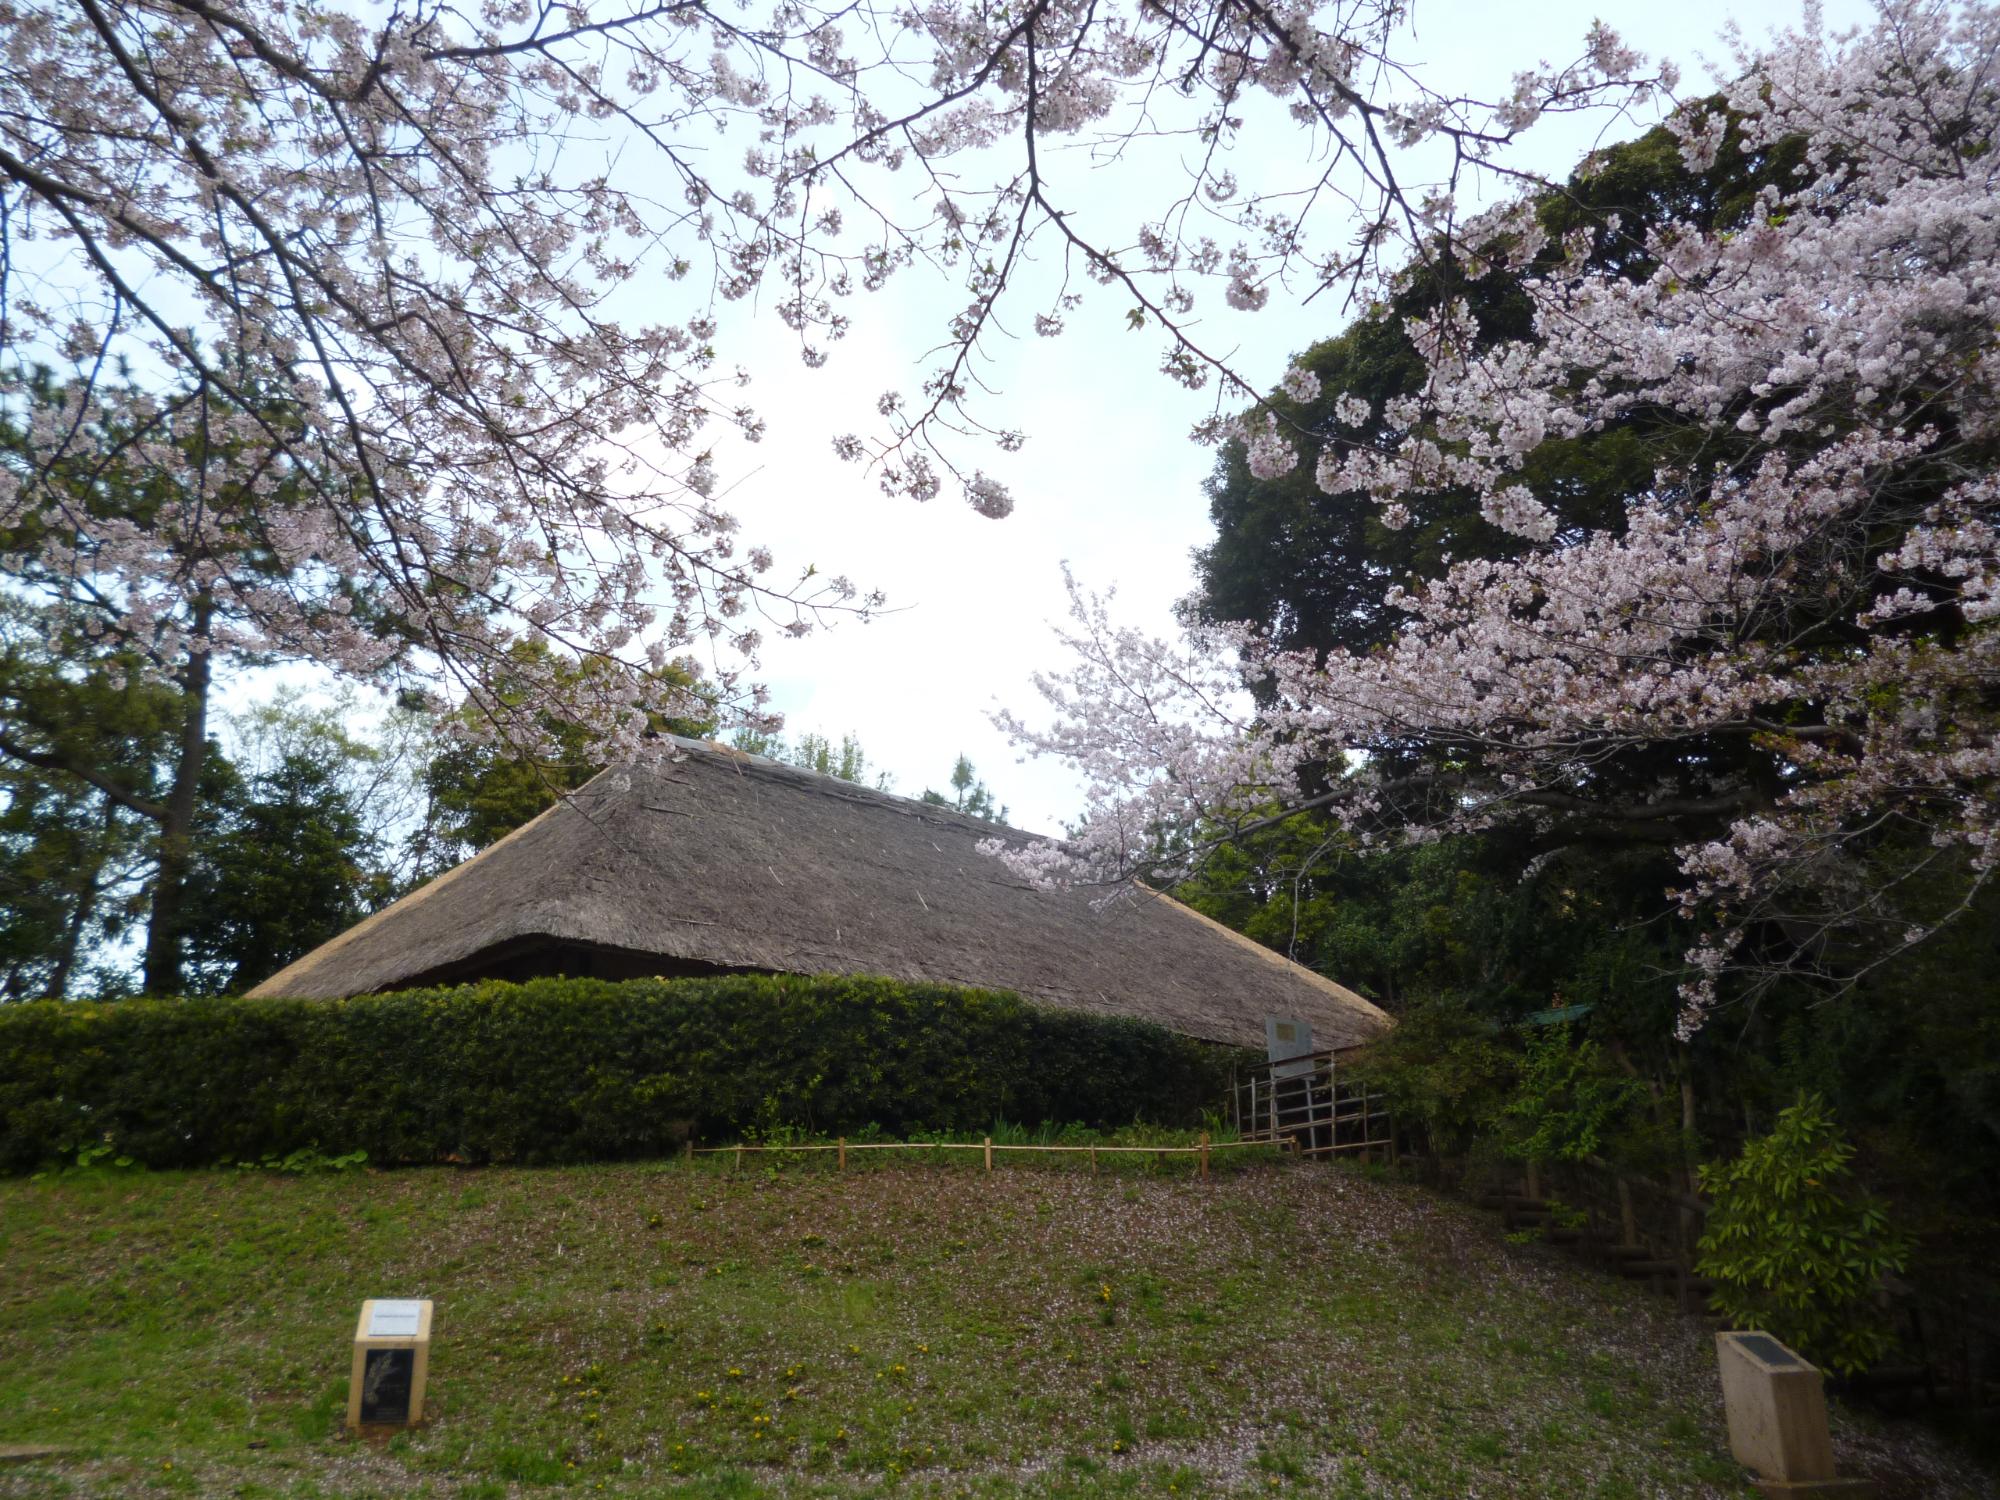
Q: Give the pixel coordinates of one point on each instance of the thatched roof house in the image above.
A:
(719, 861)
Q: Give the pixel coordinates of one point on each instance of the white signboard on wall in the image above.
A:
(1288, 1040)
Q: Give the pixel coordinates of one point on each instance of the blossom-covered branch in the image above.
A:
(449, 278)
(1782, 651)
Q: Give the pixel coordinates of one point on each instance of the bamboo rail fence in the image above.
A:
(1200, 1150)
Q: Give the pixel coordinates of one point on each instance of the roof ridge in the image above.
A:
(825, 784)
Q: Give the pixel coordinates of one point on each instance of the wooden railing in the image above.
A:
(988, 1147)
(1312, 1104)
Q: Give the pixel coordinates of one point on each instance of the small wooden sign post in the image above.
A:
(1777, 1419)
(392, 1357)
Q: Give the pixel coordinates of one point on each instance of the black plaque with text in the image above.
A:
(1767, 1351)
(386, 1377)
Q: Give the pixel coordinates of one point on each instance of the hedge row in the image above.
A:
(564, 1070)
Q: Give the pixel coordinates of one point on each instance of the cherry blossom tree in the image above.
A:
(1783, 656)
(451, 276)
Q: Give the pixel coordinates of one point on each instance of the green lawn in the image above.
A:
(916, 1329)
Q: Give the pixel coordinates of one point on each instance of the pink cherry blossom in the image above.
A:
(1813, 596)
(456, 271)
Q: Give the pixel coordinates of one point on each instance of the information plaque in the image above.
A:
(394, 1320)
(387, 1376)
(392, 1349)
(1777, 1418)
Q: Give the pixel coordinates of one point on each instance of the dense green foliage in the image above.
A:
(1472, 954)
(1569, 1103)
(1794, 1250)
(71, 847)
(281, 854)
(567, 1070)
(287, 861)
(288, 833)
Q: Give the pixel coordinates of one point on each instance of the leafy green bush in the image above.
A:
(567, 1070)
(307, 1161)
(1793, 1250)
(1444, 1069)
(1569, 1103)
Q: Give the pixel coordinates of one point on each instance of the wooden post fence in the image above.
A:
(1204, 1146)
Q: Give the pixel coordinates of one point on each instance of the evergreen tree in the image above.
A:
(968, 794)
(846, 761)
(285, 861)
(86, 749)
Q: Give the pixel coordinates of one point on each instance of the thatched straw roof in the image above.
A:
(720, 861)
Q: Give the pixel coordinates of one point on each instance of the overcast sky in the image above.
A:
(1108, 480)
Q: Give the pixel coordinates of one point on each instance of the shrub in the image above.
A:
(1569, 1103)
(1444, 1069)
(560, 1070)
(1793, 1251)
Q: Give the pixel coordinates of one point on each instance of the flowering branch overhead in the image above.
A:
(444, 280)
(1781, 653)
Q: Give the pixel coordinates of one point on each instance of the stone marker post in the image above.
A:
(1777, 1418)
(392, 1358)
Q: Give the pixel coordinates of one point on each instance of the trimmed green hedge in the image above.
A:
(561, 1070)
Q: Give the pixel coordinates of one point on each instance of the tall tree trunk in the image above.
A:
(72, 940)
(1690, 1177)
(1690, 1222)
(163, 923)
(84, 910)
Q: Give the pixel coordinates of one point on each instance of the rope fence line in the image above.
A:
(986, 1146)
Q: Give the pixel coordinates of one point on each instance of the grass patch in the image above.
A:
(697, 1330)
